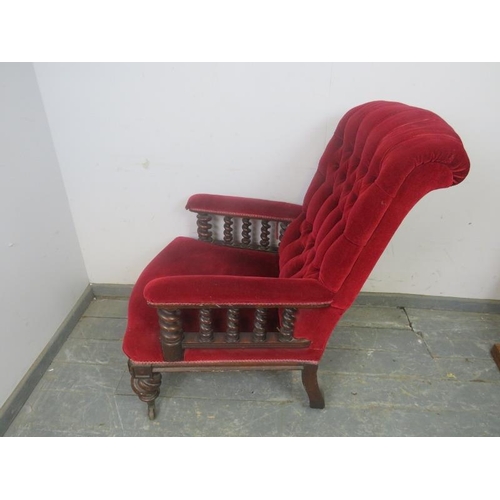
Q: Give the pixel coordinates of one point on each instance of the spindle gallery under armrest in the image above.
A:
(241, 232)
(174, 340)
(248, 222)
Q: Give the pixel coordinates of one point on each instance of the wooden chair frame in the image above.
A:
(146, 379)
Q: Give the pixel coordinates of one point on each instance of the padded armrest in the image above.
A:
(243, 207)
(240, 291)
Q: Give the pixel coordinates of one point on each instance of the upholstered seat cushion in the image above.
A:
(186, 256)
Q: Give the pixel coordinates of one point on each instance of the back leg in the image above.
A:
(310, 382)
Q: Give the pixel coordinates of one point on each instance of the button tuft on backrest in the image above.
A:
(374, 149)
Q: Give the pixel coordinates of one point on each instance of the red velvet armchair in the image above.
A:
(266, 288)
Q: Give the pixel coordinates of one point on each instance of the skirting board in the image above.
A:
(103, 290)
(23, 390)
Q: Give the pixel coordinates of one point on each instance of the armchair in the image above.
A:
(267, 288)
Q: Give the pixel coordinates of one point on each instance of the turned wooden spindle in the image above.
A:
(206, 329)
(246, 232)
(288, 323)
(283, 226)
(259, 329)
(264, 234)
(228, 230)
(232, 333)
(204, 227)
(171, 334)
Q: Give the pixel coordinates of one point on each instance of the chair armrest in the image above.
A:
(238, 291)
(243, 207)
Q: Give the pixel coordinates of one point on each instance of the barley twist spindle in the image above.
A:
(204, 227)
(232, 334)
(228, 230)
(206, 329)
(259, 330)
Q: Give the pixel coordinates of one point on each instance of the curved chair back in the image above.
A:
(383, 157)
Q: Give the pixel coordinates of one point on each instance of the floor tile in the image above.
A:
(199, 417)
(376, 339)
(456, 325)
(365, 391)
(395, 363)
(63, 376)
(337, 421)
(100, 328)
(443, 423)
(377, 421)
(375, 317)
(468, 369)
(240, 386)
(82, 413)
(77, 350)
(107, 308)
(457, 348)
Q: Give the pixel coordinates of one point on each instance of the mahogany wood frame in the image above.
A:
(146, 378)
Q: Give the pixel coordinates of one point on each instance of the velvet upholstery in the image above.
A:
(241, 291)
(182, 257)
(383, 158)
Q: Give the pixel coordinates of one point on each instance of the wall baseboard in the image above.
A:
(485, 306)
(103, 290)
(25, 387)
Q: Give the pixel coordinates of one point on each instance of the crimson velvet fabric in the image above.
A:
(382, 159)
(241, 291)
(183, 257)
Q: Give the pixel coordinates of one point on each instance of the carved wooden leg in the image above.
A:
(147, 388)
(310, 382)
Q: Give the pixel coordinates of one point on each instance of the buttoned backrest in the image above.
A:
(383, 157)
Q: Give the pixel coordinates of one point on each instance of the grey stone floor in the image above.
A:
(387, 372)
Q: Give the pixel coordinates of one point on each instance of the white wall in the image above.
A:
(135, 140)
(41, 266)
